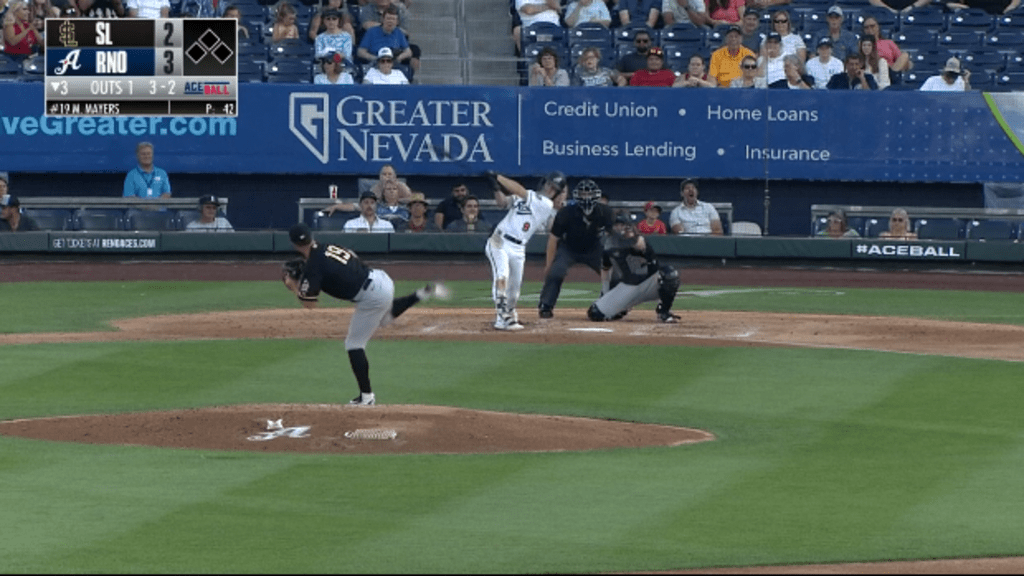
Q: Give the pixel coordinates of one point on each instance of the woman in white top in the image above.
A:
(385, 73)
(333, 67)
(873, 63)
(770, 64)
(791, 43)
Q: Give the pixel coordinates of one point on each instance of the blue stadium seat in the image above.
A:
(939, 229)
(1010, 81)
(333, 222)
(929, 62)
(929, 19)
(50, 218)
(591, 32)
(875, 226)
(625, 35)
(185, 216)
(956, 40)
(156, 220)
(982, 79)
(974, 19)
(291, 49)
(1012, 21)
(982, 60)
(545, 32)
(33, 68)
(991, 229)
(251, 71)
(1005, 41)
(683, 33)
(918, 38)
(98, 219)
(887, 21)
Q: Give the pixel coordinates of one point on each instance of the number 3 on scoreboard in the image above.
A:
(169, 58)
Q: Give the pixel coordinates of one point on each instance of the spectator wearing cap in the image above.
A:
(639, 12)
(655, 74)
(418, 221)
(951, 79)
(696, 75)
(637, 59)
(771, 64)
(684, 12)
(725, 12)
(652, 222)
(824, 66)
(694, 216)
(332, 68)
(750, 26)
(853, 76)
(545, 71)
(367, 221)
(11, 218)
(387, 35)
(209, 220)
(792, 43)
(333, 38)
(584, 11)
(384, 72)
(843, 41)
(726, 61)
(317, 24)
(146, 180)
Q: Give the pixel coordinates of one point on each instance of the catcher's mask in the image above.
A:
(586, 195)
(624, 225)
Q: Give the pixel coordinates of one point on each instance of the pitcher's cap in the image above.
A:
(300, 234)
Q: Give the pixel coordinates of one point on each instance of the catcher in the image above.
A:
(630, 260)
(338, 272)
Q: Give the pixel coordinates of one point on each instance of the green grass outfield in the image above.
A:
(822, 455)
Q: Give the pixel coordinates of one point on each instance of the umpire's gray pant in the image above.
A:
(625, 296)
(373, 310)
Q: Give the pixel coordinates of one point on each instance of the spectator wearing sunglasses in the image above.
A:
(637, 59)
(384, 72)
(898, 60)
(791, 43)
(749, 78)
(899, 226)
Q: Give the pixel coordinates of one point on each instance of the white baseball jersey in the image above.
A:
(525, 216)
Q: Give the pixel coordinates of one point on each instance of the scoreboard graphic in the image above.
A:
(141, 67)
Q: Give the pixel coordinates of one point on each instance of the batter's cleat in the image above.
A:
(545, 312)
(507, 324)
(363, 400)
(434, 290)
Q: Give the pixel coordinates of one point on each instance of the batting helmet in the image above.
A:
(554, 179)
(586, 195)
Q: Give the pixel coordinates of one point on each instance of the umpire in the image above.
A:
(576, 237)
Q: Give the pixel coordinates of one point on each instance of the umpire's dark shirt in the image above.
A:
(333, 270)
(579, 232)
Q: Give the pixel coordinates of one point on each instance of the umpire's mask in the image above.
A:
(586, 194)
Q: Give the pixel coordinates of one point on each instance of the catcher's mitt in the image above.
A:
(292, 269)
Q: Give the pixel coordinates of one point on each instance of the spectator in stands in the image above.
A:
(655, 74)
(684, 12)
(384, 72)
(534, 11)
(695, 76)
(994, 7)
(899, 226)
(792, 43)
(333, 38)
(724, 12)
(317, 25)
(387, 35)
(897, 60)
(639, 12)
(202, 9)
(450, 209)
(233, 12)
(104, 9)
(853, 77)
(843, 41)
(750, 26)
(652, 222)
(796, 77)
(693, 216)
(899, 6)
(873, 63)
(11, 218)
(726, 61)
(149, 9)
(824, 66)
(372, 15)
(390, 209)
(20, 36)
(771, 64)
(951, 79)
(470, 221)
(387, 173)
(418, 221)
(41, 10)
(637, 59)
(209, 220)
(367, 221)
(837, 226)
(333, 70)
(589, 71)
(749, 79)
(146, 180)
(284, 22)
(765, 4)
(582, 11)
(545, 71)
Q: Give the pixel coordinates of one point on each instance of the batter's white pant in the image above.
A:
(507, 261)
(373, 310)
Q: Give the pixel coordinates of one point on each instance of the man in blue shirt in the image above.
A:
(146, 180)
(387, 35)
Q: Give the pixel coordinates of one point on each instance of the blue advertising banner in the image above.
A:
(463, 130)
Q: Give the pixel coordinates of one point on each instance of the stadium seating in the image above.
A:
(544, 32)
(33, 69)
(887, 21)
(939, 228)
(156, 220)
(98, 219)
(1012, 81)
(927, 19)
(875, 226)
(956, 40)
(683, 33)
(591, 33)
(291, 49)
(973, 19)
(915, 38)
(50, 218)
(981, 60)
(1008, 41)
(335, 221)
(991, 230)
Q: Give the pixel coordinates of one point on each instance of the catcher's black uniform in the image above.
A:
(640, 279)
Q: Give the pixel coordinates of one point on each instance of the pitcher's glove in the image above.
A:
(292, 269)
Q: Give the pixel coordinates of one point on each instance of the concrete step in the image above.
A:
(433, 9)
(438, 44)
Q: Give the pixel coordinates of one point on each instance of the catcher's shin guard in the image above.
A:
(668, 286)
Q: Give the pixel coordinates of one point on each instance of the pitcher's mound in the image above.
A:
(330, 428)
